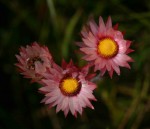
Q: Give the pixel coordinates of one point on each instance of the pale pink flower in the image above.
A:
(33, 61)
(105, 47)
(68, 87)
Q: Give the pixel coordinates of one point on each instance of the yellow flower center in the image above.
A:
(70, 86)
(107, 48)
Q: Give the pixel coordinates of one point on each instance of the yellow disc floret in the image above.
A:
(107, 48)
(69, 86)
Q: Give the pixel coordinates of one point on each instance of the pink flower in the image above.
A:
(68, 87)
(105, 47)
(33, 61)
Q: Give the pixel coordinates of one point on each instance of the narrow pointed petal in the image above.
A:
(109, 23)
(111, 73)
(94, 27)
(102, 28)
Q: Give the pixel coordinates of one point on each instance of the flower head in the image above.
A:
(68, 87)
(105, 47)
(33, 61)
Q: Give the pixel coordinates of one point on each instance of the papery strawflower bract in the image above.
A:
(105, 47)
(33, 61)
(68, 87)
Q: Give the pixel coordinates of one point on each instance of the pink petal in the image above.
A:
(124, 57)
(122, 46)
(65, 103)
(71, 106)
(98, 61)
(81, 102)
(116, 67)
(45, 99)
(110, 32)
(54, 92)
(45, 88)
(111, 72)
(91, 86)
(51, 99)
(80, 44)
(66, 111)
(94, 27)
(84, 31)
(77, 105)
(88, 50)
(51, 83)
(39, 68)
(118, 35)
(90, 57)
(115, 27)
(109, 23)
(88, 43)
(20, 59)
(102, 64)
(87, 102)
(108, 66)
(129, 51)
(128, 43)
(59, 104)
(102, 28)
(92, 39)
(88, 94)
(103, 70)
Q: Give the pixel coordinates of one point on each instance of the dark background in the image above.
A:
(123, 102)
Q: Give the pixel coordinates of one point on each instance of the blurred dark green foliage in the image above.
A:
(123, 102)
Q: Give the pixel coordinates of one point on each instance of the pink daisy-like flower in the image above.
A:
(105, 47)
(33, 61)
(68, 87)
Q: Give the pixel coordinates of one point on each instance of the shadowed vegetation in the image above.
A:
(123, 101)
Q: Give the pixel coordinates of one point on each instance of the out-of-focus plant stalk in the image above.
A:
(143, 108)
(68, 33)
(136, 104)
(114, 112)
(53, 15)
